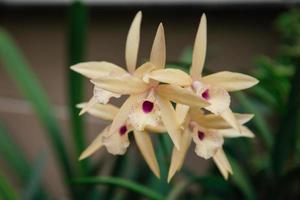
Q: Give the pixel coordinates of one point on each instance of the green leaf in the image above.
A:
(6, 190)
(76, 49)
(33, 186)
(258, 121)
(20, 71)
(241, 180)
(119, 182)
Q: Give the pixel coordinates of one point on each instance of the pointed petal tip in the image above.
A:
(82, 156)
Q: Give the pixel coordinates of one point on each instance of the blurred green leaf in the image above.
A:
(33, 186)
(241, 180)
(6, 190)
(119, 182)
(19, 70)
(77, 38)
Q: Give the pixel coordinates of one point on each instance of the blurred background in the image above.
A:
(39, 40)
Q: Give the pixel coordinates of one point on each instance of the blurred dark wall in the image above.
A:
(236, 35)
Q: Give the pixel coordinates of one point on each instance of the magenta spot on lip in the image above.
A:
(147, 106)
(201, 135)
(122, 130)
(205, 95)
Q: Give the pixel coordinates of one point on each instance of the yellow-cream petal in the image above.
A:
(222, 163)
(86, 106)
(144, 143)
(103, 96)
(94, 146)
(179, 155)
(230, 81)
(181, 95)
(181, 112)
(105, 112)
(199, 51)
(158, 52)
(121, 84)
(233, 133)
(122, 116)
(144, 69)
(93, 70)
(171, 76)
(116, 143)
(169, 119)
(132, 42)
(230, 118)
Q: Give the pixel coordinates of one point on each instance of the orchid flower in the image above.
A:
(207, 132)
(146, 104)
(212, 88)
(118, 143)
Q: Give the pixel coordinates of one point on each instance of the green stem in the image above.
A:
(77, 35)
(123, 183)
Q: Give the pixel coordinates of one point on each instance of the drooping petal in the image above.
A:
(103, 96)
(199, 51)
(222, 163)
(132, 42)
(169, 119)
(94, 70)
(158, 52)
(122, 116)
(144, 143)
(94, 146)
(116, 143)
(144, 69)
(181, 95)
(181, 112)
(121, 84)
(232, 133)
(179, 155)
(230, 81)
(208, 142)
(216, 121)
(105, 112)
(171, 76)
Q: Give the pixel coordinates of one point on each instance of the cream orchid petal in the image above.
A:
(233, 133)
(122, 116)
(103, 96)
(181, 95)
(199, 51)
(121, 85)
(178, 156)
(116, 143)
(144, 69)
(87, 106)
(230, 81)
(132, 42)
(105, 112)
(156, 129)
(171, 76)
(169, 119)
(229, 117)
(208, 142)
(94, 146)
(222, 163)
(93, 70)
(218, 98)
(181, 112)
(158, 52)
(144, 143)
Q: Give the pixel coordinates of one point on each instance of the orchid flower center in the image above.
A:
(123, 130)
(205, 94)
(147, 106)
(201, 135)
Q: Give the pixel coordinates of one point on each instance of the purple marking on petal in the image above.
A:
(201, 135)
(147, 106)
(205, 94)
(123, 130)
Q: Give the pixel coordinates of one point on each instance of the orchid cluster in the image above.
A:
(202, 113)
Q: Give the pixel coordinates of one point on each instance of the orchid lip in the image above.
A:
(205, 94)
(201, 135)
(123, 130)
(147, 106)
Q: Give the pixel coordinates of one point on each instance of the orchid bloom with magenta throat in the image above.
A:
(151, 89)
